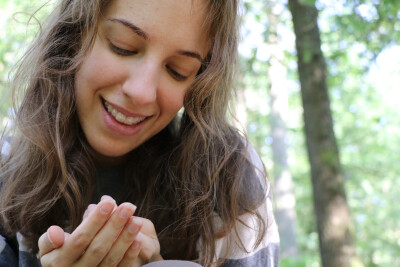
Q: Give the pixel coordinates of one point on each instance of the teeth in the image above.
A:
(121, 117)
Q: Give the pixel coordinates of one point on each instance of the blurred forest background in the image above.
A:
(321, 109)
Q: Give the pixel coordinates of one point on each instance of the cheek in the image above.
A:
(98, 69)
(171, 101)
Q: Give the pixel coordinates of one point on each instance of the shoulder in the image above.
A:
(256, 173)
(255, 159)
(7, 253)
(13, 252)
(241, 247)
(255, 185)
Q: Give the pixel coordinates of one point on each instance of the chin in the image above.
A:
(109, 152)
(113, 152)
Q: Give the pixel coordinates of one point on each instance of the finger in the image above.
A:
(150, 245)
(122, 244)
(103, 241)
(66, 236)
(53, 238)
(89, 209)
(104, 197)
(83, 235)
(150, 250)
(148, 228)
(131, 257)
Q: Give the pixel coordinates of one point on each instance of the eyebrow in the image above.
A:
(133, 27)
(191, 54)
(143, 34)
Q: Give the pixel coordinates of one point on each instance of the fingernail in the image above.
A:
(127, 210)
(106, 197)
(134, 225)
(48, 237)
(135, 244)
(138, 238)
(91, 207)
(137, 221)
(106, 206)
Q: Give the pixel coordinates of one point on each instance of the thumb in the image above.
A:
(50, 240)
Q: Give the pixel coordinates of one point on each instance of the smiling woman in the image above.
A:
(97, 139)
(132, 82)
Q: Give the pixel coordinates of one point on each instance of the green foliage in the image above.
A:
(354, 33)
(367, 124)
(18, 30)
(367, 128)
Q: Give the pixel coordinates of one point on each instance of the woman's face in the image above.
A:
(132, 83)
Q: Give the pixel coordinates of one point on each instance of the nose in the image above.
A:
(141, 83)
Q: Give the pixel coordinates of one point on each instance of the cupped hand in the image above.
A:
(108, 236)
(150, 246)
(150, 249)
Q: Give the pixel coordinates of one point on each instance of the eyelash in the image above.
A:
(120, 51)
(123, 52)
(177, 76)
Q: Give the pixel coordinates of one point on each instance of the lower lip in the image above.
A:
(120, 128)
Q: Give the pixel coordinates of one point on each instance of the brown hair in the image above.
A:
(195, 168)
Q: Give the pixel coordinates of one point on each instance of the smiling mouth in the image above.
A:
(118, 116)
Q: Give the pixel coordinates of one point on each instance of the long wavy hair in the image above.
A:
(195, 169)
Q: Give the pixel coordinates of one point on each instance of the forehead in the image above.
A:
(164, 19)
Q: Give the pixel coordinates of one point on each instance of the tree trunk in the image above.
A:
(331, 208)
(283, 182)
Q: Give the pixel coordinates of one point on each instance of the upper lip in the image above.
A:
(124, 111)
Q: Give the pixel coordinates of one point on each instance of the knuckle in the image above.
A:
(132, 253)
(127, 237)
(81, 240)
(116, 222)
(111, 261)
(146, 254)
(45, 262)
(98, 251)
(59, 263)
(51, 261)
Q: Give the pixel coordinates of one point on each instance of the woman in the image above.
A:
(102, 86)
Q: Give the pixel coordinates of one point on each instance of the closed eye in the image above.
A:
(121, 51)
(176, 75)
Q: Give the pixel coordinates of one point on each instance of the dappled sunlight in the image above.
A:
(363, 78)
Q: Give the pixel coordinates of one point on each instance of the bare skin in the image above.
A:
(129, 87)
(108, 236)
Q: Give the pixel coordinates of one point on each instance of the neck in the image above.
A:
(107, 161)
